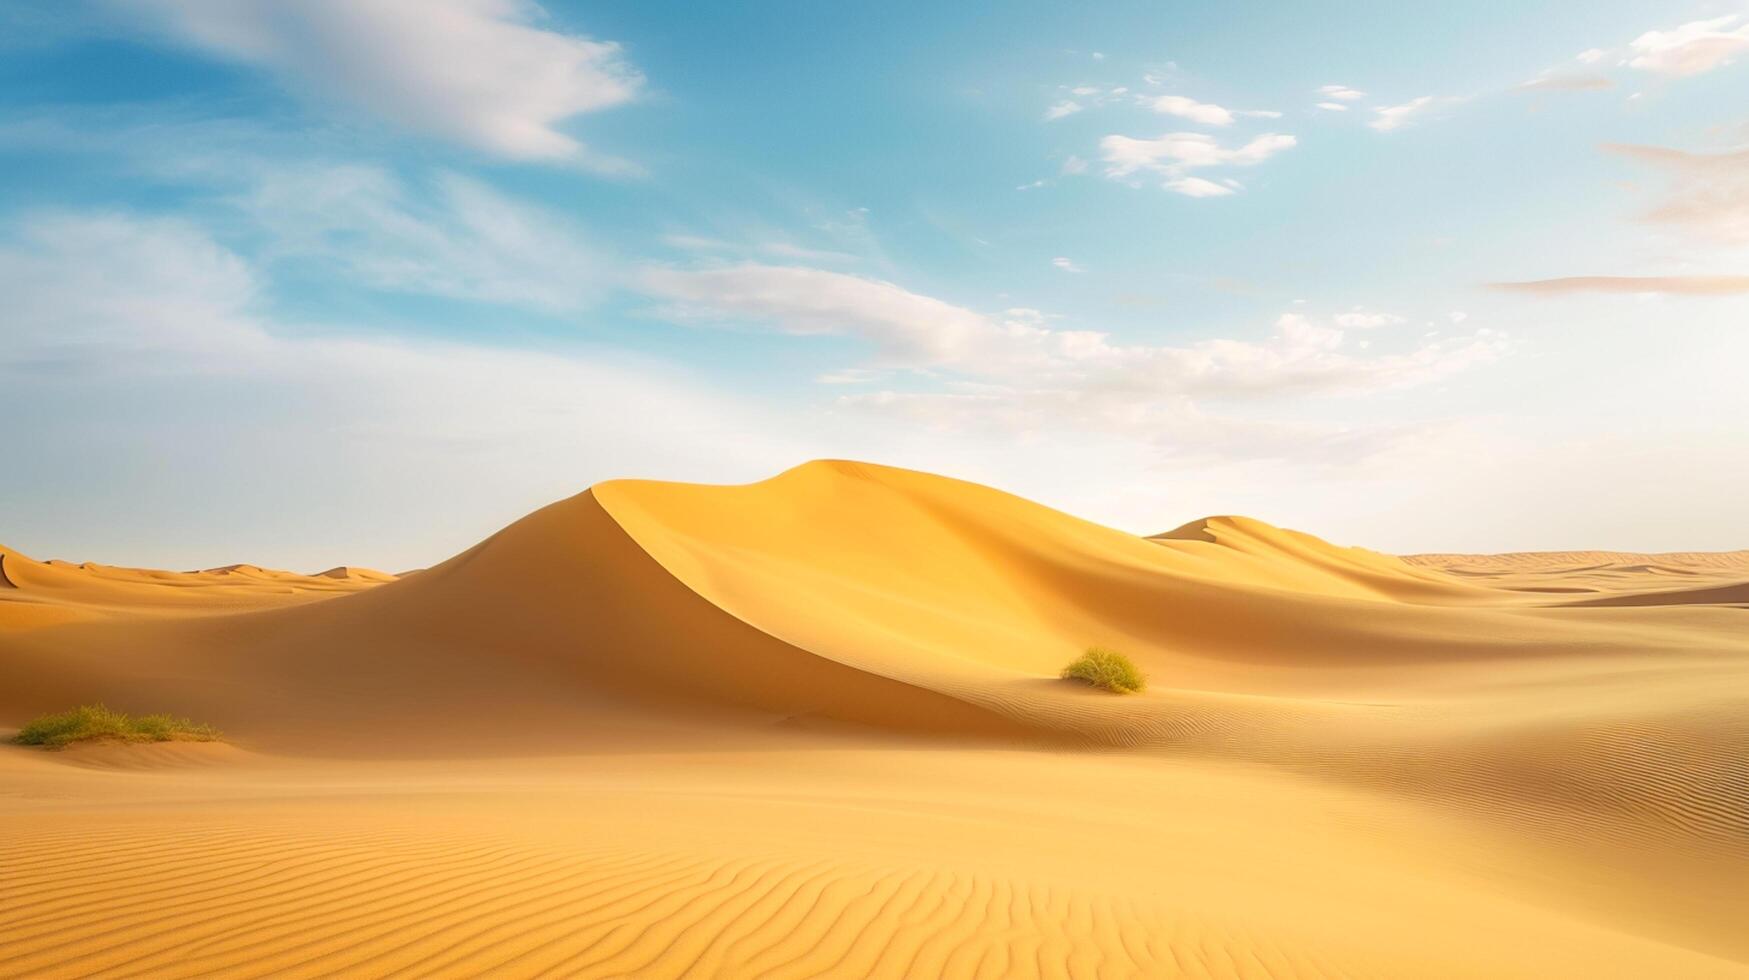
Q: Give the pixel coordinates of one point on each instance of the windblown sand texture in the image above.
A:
(813, 727)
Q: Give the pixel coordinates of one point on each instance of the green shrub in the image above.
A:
(1107, 669)
(92, 722)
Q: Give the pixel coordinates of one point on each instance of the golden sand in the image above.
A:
(813, 726)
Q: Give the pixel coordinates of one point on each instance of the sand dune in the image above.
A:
(1608, 577)
(36, 593)
(812, 726)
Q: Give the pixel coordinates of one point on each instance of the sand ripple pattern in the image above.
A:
(238, 902)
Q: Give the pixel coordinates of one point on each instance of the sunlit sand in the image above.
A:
(815, 726)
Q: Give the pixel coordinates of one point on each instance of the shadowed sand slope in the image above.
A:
(813, 726)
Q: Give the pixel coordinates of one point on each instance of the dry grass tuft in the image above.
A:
(1107, 669)
(94, 722)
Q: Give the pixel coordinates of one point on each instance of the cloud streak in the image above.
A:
(467, 242)
(1709, 192)
(1567, 83)
(1018, 353)
(480, 73)
(1671, 285)
(1387, 118)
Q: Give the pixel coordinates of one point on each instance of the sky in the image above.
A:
(360, 281)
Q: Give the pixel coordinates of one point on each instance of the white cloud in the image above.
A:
(1078, 382)
(1065, 264)
(1074, 165)
(1690, 49)
(1178, 105)
(1198, 187)
(1590, 56)
(478, 72)
(158, 368)
(1202, 112)
(1341, 93)
(1332, 107)
(1387, 118)
(1175, 152)
(1061, 109)
(1020, 354)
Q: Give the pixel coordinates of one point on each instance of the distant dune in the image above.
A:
(813, 726)
(43, 592)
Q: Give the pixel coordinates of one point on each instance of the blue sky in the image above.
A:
(304, 283)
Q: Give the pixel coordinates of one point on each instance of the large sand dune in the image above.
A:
(813, 726)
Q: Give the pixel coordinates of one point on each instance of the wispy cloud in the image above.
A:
(482, 73)
(1065, 264)
(1340, 93)
(1072, 99)
(1155, 394)
(1709, 192)
(1569, 82)
(1387, 118)
(905, 327)
(1706, 206)
(1645, 285)
(406, 230)
(457, 237)
(1017, 351)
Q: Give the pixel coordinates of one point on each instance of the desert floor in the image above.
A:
(813, 726)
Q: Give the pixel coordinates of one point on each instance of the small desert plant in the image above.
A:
(90, 722)
(1107, 669)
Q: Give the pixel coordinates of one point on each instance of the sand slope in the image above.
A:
(812, 726)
